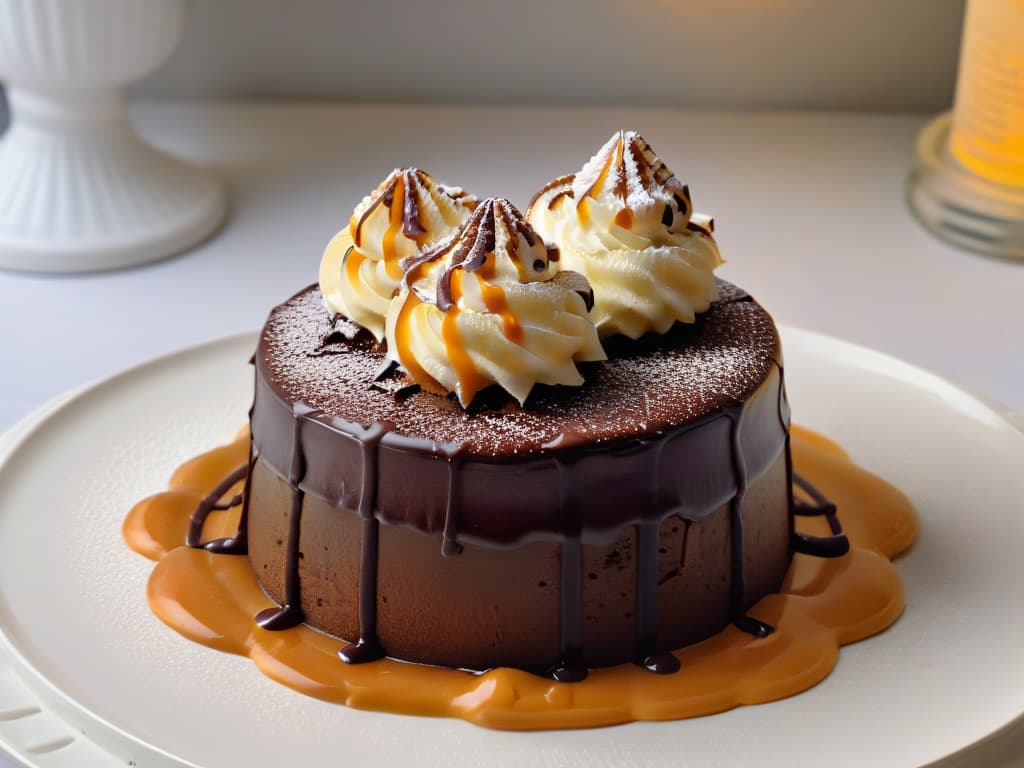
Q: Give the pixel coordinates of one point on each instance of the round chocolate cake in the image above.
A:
(551, 441)
(539, 442)
(637, 513)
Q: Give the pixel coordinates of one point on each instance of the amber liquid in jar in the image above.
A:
(988, 117)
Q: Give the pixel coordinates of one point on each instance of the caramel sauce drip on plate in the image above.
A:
(823, 604)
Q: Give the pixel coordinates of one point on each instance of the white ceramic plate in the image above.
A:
(78, 632)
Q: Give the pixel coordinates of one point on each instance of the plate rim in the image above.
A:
(13, 439)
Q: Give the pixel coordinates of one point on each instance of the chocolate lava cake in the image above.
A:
(550, 441)
(611, 522)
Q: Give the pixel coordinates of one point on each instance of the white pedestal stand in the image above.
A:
(79, 190)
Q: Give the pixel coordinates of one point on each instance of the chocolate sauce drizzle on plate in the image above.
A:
(212, 501)
(835, 545)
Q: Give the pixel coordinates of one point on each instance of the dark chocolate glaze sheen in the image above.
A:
(290, 614)
(367, 647)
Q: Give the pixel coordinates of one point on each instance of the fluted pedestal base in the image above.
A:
(80, 191)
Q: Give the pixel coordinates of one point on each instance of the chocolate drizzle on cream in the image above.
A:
(635, 175)
(559, 187)
(628, 171)
(361, 267)
(484, 307)
(627, 223)
(409, 185)
(470, 246)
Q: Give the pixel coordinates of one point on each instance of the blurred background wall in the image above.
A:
(837, 54)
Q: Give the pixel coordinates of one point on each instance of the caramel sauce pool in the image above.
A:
(823, 604)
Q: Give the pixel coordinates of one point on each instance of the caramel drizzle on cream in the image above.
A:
(402, 194)
(470, 379)
(472, 251)
(395, 214)
(351, 263)
(626, 150)
(624, 218)
(494, 300)
(403, 347)
(477, 240)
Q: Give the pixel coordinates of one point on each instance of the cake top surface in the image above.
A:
(645, 387)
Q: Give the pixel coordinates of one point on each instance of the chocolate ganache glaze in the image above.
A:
(674, 451)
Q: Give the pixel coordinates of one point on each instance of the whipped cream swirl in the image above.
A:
(627, 224)
(362, 266)
(489, 306)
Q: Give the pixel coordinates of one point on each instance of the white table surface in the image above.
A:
(809, 213)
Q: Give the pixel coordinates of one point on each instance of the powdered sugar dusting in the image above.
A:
(645, 387)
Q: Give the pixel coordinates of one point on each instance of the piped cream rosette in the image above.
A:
(488, 306)
(627, 224)
(362, 267)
